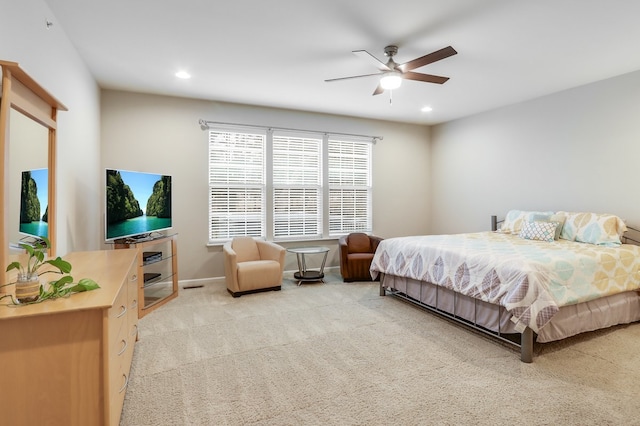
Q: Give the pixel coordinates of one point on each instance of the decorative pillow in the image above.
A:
(593, 228)
(558, 218)
(514, 219)
(541, 231)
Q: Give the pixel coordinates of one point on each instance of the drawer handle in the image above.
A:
(134, 330)
(124, 311)
(124, 347)
(126, 382)
(134, 277)
(134, 304)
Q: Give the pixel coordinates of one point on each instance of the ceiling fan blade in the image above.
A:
(424, 77)
(371, 59)
(353, 76)
(428, 59)
(378, 90)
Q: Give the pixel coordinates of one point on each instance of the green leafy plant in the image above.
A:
(36, 254)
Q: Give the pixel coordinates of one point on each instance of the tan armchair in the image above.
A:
(252, 265)
(356, 253)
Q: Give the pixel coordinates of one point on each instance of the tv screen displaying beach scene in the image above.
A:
(34, 201)
(137, 203)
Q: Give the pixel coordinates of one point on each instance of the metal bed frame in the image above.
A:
(524, 340)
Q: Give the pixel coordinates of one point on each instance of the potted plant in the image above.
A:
(28, 286)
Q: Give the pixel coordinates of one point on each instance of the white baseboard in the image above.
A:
(200, 282)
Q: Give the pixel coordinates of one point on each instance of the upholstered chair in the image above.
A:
(356, 253)
(252, 266)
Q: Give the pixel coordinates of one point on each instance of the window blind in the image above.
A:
(285, 185)
(297, 187)
(349, 186)
(237, 189)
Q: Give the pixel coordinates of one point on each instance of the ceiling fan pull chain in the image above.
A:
(390, 97)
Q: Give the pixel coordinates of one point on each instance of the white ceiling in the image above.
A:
(278, 53)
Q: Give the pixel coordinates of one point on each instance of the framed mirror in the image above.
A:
(28, 124)
(28, 181)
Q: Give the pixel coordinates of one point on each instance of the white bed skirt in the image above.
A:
(622, 308)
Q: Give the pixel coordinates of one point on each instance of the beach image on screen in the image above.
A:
(34, 200)
(136, 203)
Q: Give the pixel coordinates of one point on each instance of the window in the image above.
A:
(281, 185)
(349, 187)
(297, 187)
(236, 185)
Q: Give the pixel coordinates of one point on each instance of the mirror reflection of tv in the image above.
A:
(137, 204)
(34, 201)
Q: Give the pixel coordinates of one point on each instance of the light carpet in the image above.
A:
(340, 354)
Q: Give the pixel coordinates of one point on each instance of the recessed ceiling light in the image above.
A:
(426, 109)
(183, 74)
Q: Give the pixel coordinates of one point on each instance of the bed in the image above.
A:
(536, 277)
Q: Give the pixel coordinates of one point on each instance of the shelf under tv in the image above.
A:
(141, 238)
(149, 257)
(157, 270)
(151, 278)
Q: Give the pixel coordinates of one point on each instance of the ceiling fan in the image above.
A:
(392, 73)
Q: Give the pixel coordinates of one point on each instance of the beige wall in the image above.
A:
(50, 58)
(574, 150)
(161, 134)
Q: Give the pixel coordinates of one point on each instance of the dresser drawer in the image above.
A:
(119, 367)
(119, 308)
(119, 370)
(117, 317)
(132, 296)
(120, 356)
(118, 348)
(116, 396)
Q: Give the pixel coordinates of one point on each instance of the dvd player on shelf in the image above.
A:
(150, 276)
(151, 256)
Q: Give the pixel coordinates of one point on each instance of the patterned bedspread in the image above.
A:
(531, 279)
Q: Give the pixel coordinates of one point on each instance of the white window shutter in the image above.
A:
(349, 187)
(297, 187)
(236, 185)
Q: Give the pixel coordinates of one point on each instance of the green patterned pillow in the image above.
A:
(541, 231)
(514, 220)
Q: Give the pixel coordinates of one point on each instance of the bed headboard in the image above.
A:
(495, 222)
(631, 236)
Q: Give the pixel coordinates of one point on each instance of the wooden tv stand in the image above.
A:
(157, 270)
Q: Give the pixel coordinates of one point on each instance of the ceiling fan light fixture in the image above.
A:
(391, 80)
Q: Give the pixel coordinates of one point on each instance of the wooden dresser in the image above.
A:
(66, 361)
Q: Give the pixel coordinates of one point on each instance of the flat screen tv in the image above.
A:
(34, 201)
(137, 204)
